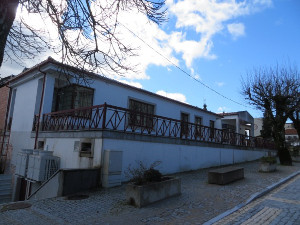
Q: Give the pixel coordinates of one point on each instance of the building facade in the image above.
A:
(53, 110)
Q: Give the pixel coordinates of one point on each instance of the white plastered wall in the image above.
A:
(69, 154)
(174, 157)
(177, 158)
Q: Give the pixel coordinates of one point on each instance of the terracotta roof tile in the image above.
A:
(291, 132)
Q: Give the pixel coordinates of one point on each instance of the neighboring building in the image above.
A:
(291, 135)
(258, 124)
(5, 148)
(4, 98)
(289, 126)
(83, 125)
(239, 122)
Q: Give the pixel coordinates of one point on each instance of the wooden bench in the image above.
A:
(225, 175)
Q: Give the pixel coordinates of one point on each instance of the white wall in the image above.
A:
(23, 115)
(24, 106)
(174, 157)
(115, 94)
(177, 158)
(69, 155)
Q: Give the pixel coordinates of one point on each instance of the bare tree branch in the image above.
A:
(83, 28)
(274, 90)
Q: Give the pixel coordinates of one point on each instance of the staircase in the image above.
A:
(5, 188)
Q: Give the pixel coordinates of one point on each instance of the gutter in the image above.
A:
(40, 109)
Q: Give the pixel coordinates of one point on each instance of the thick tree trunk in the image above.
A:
(8, 10)
(279, 139)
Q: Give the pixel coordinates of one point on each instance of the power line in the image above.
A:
(182, 70)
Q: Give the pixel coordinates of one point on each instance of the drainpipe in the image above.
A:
(6, 117)
(40, 109)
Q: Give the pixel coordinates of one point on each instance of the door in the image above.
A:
(184, 132)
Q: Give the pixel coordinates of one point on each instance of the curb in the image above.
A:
(252, 198)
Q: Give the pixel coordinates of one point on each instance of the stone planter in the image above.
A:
(267, 167)
(146, 194)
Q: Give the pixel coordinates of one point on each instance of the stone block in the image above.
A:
(225, 175)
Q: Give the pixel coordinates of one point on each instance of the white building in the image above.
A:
(80, 123)
(239, 122)
(258, 124)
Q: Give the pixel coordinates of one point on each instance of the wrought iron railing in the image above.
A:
(115, 118)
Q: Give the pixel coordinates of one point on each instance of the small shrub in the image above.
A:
(152, 175)
(269, 159)
(143, 175)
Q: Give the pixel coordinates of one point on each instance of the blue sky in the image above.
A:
(216, 42)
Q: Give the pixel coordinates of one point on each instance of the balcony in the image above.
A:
(109, 117)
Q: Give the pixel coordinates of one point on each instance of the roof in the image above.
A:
(5, 80)
(228, 114)
(97, 76)
(291, 132)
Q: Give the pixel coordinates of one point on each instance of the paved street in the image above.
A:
(281, 206)
(199, 202)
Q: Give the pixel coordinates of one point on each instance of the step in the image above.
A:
(5, 200)
(5, 184)
(4, 177)
(5, 192)
(7, 187)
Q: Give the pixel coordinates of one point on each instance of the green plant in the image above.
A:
(269, 159)
(143, 174)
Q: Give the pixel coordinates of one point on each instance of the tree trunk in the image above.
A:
(8, 9)
(279, 139)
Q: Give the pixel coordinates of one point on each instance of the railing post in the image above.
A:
(104, 116)
(43, 122)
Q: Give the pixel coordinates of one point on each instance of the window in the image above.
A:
(71, 97)
(184, 124)
(41, 145)
(85, 149)
(198, 122)
(212, 129)
(141, 115)
(247, 133)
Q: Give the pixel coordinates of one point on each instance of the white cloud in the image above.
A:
(207, 18)
(236, 29)
(197, 77)
(220, 84)
(137, 22)
(222, 109)
(177, 96)
(194, 75)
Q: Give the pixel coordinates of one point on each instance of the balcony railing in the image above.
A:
(108, 117)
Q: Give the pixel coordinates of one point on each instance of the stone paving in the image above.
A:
(198, 203)
(281, 206)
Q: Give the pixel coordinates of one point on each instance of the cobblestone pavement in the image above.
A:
(281, 206)
(198, 203)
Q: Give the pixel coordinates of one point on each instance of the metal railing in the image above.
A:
(115, 118)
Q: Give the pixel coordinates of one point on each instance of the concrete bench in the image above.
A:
(225, 175)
